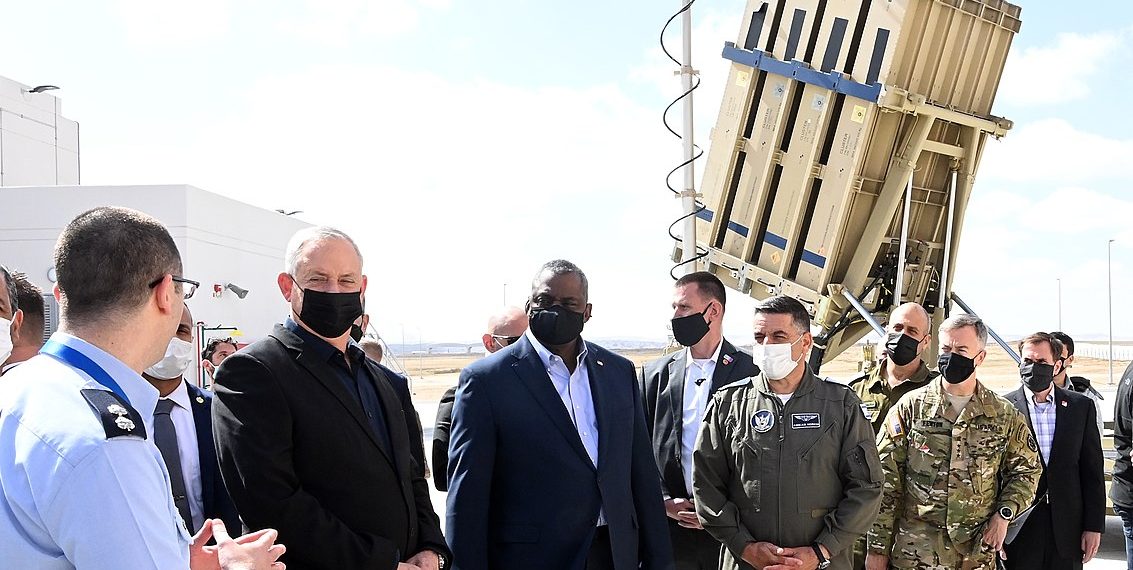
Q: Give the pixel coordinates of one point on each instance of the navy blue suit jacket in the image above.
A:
(523, 493)
(214, 497)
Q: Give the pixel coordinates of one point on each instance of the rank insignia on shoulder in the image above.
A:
(117, 417)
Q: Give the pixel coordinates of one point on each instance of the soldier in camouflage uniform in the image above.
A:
(900, 372)
(959, 461)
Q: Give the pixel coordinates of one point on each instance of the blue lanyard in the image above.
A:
(76, 359)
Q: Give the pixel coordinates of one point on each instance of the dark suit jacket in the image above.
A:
(298, 455)
(1073, 475)
(214, 497)
(662, 385)
(523, 492)
(440, 439)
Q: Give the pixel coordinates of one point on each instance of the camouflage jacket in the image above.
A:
(791, 474)
(951, 472)
(878, 396)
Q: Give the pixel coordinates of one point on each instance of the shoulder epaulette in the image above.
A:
(118, 417)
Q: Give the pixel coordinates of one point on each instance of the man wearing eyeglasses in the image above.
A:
(675, 389)
(504, 329)
(81, 481)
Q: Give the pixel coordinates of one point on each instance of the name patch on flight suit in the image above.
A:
(806, 421)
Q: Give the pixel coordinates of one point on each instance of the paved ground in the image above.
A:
(1111, 555)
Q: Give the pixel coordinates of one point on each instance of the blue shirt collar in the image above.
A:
(143, 396)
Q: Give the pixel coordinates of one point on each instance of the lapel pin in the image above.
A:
(1064, 403)
(727, 359)
(200, 400)
(600, 363)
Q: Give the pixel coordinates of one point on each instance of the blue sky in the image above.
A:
(464, 143)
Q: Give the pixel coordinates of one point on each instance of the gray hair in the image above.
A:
(965, 320)
(312, 235)
(558, 267)
(13, 295)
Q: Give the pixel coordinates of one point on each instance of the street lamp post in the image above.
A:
(1109, 280)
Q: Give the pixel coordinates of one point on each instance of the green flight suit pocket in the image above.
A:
(749, 463)
(815, 496)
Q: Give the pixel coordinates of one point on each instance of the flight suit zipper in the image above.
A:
(780, 407)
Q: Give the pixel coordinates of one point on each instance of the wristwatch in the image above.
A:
(823, 563)
(1006, 513)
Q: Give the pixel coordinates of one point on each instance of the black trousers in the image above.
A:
(601, 555)
(694, 549)
(1034, 547)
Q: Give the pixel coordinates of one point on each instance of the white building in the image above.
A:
(38, 146)
(222, 241)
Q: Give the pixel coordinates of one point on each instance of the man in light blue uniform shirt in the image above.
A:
(81, 484)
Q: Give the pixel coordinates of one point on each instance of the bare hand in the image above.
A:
(1090, 542)
(994, 533)
(253, 551)
(426, 560)
(765, 554)
(874, 561)
(203, 557)
(805, 557)
(674, 508)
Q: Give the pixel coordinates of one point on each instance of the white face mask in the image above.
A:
(774, 360)
(178, 355)
(5, 339)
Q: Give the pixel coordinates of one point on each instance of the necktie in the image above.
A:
(165, 437)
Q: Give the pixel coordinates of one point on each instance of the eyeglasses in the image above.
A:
(188, 285)
(506, 340)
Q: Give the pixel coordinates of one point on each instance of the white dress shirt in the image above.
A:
(182, 416)
(695, 401)
(574, 390)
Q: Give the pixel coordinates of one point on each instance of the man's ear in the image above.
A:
(165, 296)
(979, 359)
(285, 283)
(586, 312)
(17, 322)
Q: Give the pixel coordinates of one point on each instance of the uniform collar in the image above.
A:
(982, 402)
(806, 385)
(143, 396)
(878, 382)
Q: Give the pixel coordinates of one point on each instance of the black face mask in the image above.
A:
(330, 315)
(901, 348)
(355, 332)
(556, 326)
(689, 329)
(955, 368)
(1036, 376)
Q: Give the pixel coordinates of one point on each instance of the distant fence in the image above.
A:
(1101, 351)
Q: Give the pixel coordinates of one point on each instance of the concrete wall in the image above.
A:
(38, 146)
(221, 241)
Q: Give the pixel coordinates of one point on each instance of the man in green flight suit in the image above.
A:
(959, 461)
(785, 469)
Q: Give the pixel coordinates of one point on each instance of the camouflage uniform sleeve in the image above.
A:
(1020, 470)
(711, 476)
(861, 471)
(892, 450)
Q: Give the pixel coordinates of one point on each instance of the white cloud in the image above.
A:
(339, 23)
(1056, 152)
(164, 23)
(1056, 73)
